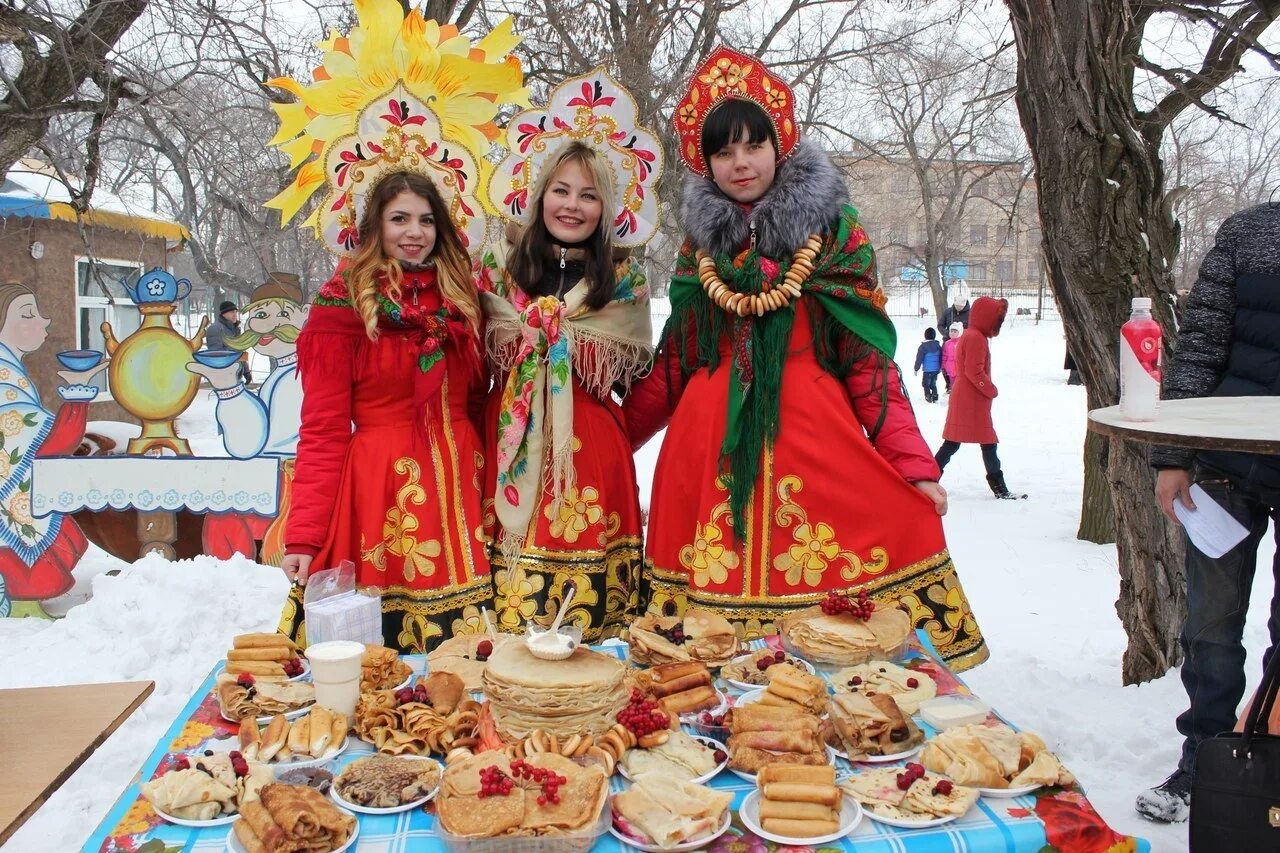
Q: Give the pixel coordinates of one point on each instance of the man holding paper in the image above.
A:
(1228, 346)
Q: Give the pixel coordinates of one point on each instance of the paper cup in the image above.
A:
(335, 671)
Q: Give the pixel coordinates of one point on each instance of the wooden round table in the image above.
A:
(1250, 424)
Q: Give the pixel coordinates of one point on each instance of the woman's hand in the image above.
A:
(296, 567)
(934, 492)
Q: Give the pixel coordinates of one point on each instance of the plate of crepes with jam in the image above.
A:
(748, 672)
(699, 635)
(386, 784)
(295, 818)
(997, 760)
(871, 727)
(681, 757)
(909, 796)
(245, 696)
(208, 789)
(658, 813)
(909, 688)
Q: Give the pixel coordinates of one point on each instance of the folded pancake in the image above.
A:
(797, 775)
(871, 724)
(681, 758)
(681, 684)
(458, 655)
(190, 794)
(878, 791)
(708, 638)
(670, 813)
(752, 760)
(879, 676)
(697, 699)
(303, 814)
(263, 640)
(794, 811)
(823, 794)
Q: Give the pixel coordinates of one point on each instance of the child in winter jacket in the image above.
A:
(949, 353)
(929, 357)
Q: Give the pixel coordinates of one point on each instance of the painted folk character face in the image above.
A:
(272, 327)
(408, 228)
(23, 328)
(572, 206)
(744, 170)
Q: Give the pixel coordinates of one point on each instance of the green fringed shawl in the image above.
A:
(849, 324)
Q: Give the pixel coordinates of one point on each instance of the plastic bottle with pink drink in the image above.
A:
(1140, 363)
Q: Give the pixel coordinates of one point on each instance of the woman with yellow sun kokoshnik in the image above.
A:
(567, 326)
(392, 135)
(792, 467)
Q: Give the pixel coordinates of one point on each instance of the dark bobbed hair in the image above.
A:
(735, 120)
(930, 333)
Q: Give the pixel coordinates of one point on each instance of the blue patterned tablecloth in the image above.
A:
(1053, 820)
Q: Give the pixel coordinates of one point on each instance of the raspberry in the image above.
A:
(904, 781)
(913, 683)
(720, 756)
(764, 663)
(483, 649)
(779, 656)
(706, 719)
(943, 787)
(244, 679)
(182, 763)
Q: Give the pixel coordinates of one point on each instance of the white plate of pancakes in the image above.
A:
(850, 817)
(692, 844)
(403, 807)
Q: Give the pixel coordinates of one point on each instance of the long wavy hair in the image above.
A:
(369, 264)
(536, 245)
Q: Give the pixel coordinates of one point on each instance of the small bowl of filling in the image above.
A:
(549, 645)
(747, 672)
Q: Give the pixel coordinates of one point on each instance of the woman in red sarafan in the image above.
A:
(567, 322)
(391, 346)
(792, 466)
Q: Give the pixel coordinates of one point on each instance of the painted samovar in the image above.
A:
(148, 373)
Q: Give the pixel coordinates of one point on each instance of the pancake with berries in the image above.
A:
(465, 655)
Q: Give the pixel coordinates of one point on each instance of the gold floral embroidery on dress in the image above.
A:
(949, 603)
(398, 537)
(622, 582)
(470, 622)
(416, 632)
(753, 629)
(515, 600)
(814, 548)
(707, 559)
(578, 511)
(584, 599)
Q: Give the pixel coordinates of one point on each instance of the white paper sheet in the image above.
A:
(1212, 530)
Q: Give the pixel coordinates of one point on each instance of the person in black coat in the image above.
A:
(227, 325)
(1228, 346)
(956, 312)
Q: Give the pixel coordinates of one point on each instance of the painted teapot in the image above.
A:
(158, 285)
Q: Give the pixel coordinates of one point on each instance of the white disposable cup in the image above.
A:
(335, 671)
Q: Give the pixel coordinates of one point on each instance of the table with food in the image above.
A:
(844, 732)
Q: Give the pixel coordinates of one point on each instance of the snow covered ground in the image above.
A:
(1043, 599)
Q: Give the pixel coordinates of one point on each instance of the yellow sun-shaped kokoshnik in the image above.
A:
(397, 93)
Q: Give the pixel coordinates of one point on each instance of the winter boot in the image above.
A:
(1168, 802)
(999, 489)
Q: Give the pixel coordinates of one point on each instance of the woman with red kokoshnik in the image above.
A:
(392, 345)
(792, 466)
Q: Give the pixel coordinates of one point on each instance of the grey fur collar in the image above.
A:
(807, 194)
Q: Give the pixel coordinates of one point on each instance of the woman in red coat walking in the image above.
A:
(969, 412)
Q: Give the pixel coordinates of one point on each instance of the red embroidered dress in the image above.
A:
(398, 495)
(828, 508)
(593, 534)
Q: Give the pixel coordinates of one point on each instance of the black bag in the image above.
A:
(1235, 793)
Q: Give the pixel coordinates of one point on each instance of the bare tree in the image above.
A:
(935, 108)
(64, 67)
(1110, 232)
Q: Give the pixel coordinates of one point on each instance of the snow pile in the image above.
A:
(1044, 600)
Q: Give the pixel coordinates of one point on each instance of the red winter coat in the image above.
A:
(969, 409)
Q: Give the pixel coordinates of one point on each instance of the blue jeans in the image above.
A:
(1217, 601)
(931, 386)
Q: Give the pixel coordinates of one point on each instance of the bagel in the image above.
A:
(570, 747)
(653, 739)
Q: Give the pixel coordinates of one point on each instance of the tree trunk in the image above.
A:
(1108, 238)
(1097, 512)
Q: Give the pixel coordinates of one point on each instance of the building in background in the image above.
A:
(78, 266)
(985, 222)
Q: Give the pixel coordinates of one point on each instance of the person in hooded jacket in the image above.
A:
(969, 412)
(957, 312)
(792, 469)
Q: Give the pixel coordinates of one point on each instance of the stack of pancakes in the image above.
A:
(579, 695)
